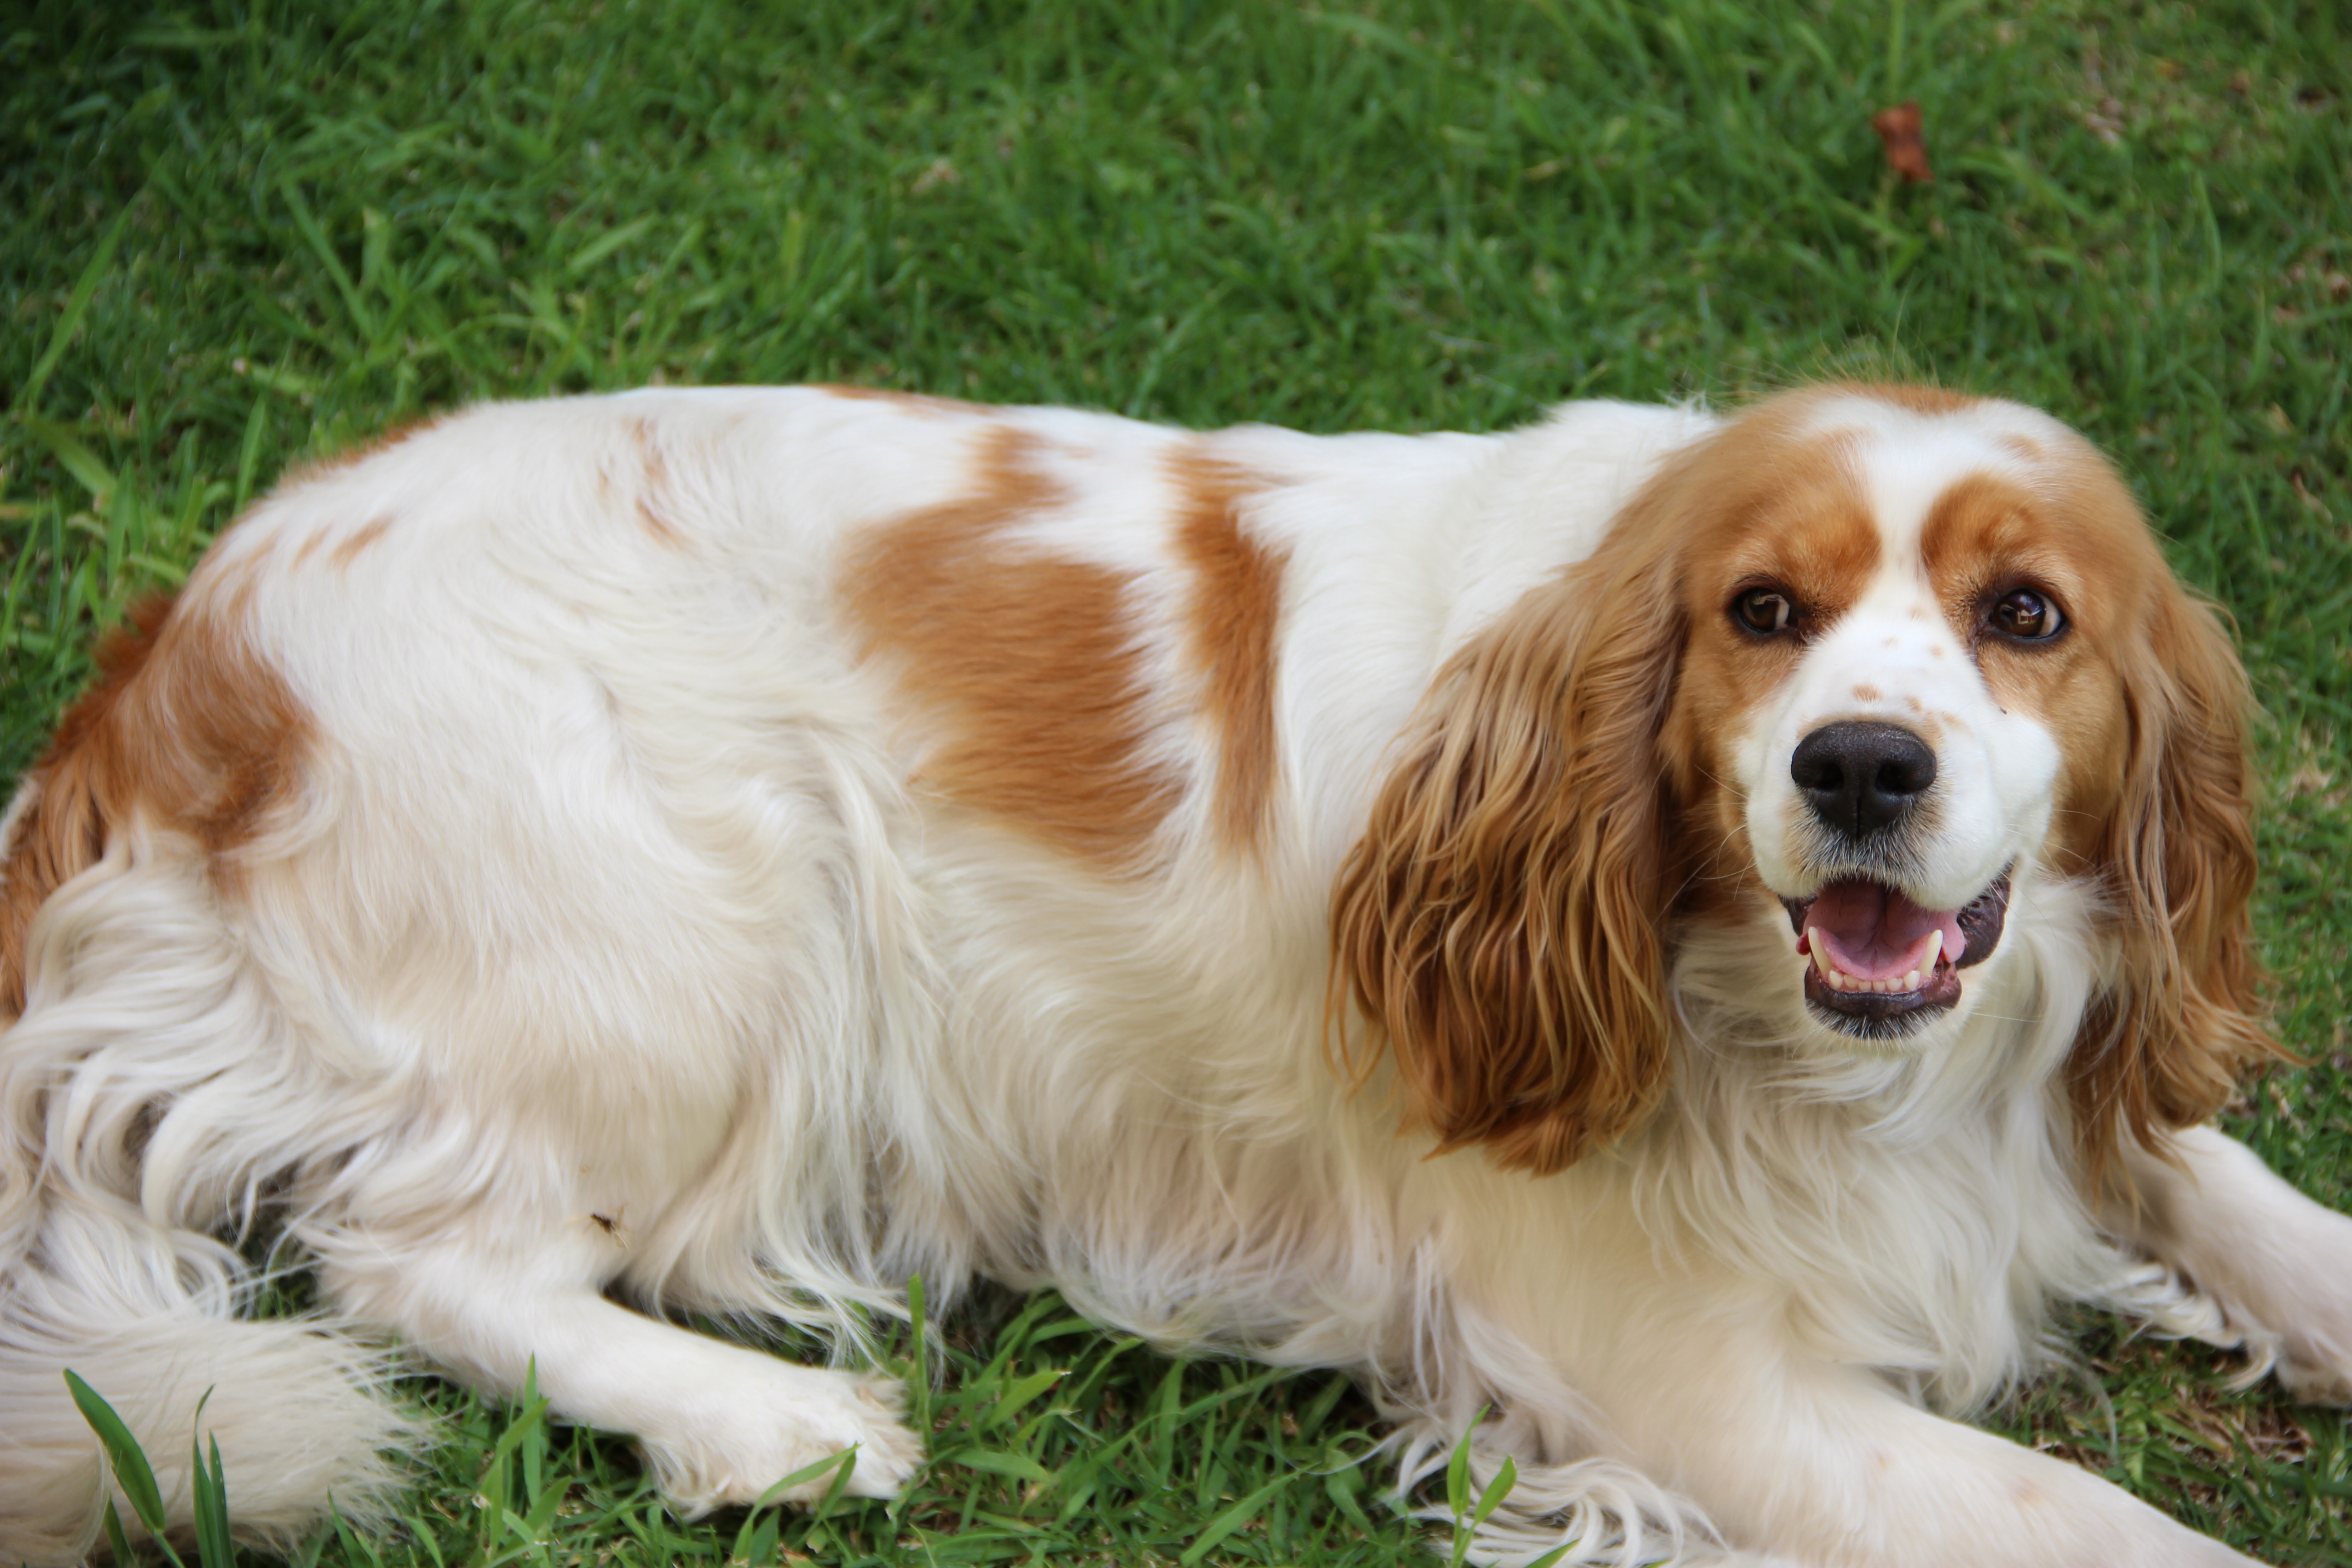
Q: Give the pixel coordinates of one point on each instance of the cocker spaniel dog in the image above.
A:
(1685, 931)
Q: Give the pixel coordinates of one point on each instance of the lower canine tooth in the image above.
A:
(1820, 954)
(1934, 951)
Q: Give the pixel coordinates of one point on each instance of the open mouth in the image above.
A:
(1878, 963)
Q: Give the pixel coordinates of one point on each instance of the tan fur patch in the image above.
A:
(1026, 658)
(358, 541)
(187, 726)
(352, 457)
(653, 512)
(1232, 616)
(912, 402)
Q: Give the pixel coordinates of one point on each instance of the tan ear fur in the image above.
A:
(1499, 921)
(2161, 1050)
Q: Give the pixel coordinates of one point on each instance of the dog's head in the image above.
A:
(1877, 668)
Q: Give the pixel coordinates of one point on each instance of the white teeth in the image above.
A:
(1837, 979)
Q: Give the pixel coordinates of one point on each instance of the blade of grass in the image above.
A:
(77, 306)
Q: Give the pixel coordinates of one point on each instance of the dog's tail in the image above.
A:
(151, 1100)
(289, 1403)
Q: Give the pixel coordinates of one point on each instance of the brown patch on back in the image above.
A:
(1025, 658)
(1231, 618)
(187, 728)
(665, 532)
(358, 539)
(652, 494)
(352, 457)
(912, 402)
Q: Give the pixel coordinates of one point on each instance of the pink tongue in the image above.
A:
(1875, 933)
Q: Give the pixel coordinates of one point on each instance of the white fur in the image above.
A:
(613, 891)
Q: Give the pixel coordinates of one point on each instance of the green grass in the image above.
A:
(235, 236)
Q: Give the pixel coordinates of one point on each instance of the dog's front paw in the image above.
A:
(2314, 1376)
(801, 1415)
(2296, 1314)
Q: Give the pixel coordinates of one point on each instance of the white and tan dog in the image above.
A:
(734, 850)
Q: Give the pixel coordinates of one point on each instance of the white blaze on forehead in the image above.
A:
(1891, 655)
(1906, 461)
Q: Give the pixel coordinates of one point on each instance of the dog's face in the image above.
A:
(1853, 684)
(1903, 701)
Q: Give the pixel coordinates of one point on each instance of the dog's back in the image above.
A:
(590, 828)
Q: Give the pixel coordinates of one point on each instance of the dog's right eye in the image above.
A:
(1763, 611)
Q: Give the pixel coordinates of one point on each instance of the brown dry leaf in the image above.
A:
(1906, 152)
(941, 173)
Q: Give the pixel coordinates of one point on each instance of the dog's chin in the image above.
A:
(1880, 967)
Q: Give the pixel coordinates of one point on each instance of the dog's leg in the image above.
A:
(2278, 1265)
(720, 1424)
(1826, 1465)
(1708, 1392)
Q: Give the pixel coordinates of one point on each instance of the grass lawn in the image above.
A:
(238, 234)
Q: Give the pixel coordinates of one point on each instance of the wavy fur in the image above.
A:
(585, 862)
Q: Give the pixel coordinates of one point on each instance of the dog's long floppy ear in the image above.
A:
(1499, 921)
(2160, 1050)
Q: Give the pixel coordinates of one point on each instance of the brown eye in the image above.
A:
(1763, 611)
(2027, 616)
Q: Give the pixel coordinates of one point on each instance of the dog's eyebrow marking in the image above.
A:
(1231, 618)
(1027, 659)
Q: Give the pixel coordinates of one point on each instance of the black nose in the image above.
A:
(1861, 776)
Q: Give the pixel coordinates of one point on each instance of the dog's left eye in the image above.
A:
(1762, 610)
(2028, 615)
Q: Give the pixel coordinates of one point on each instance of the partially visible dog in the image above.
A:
(734, 850)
